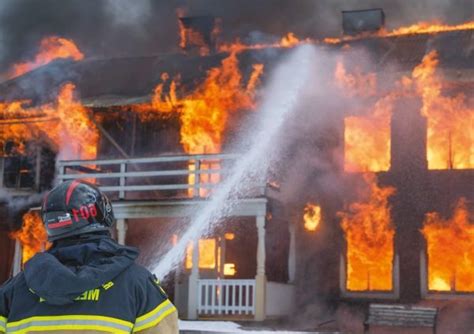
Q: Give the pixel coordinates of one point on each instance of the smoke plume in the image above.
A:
(112, 28)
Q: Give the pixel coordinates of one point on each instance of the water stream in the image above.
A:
(280, 100)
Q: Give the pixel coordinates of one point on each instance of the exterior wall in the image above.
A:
(181, 296)
(317, 257)
(418, 192)
(280, 299)
(6, 255)
(146, 138)
(408, 175)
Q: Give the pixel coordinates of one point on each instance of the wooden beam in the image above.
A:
(28, 120)
(110, 138)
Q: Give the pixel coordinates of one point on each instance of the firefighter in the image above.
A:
(86, 282)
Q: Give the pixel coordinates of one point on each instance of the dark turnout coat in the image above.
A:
(91, 286)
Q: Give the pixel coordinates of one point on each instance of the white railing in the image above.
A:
(167, 176)
(226, 297)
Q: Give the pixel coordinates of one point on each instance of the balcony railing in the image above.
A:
(186, 176)
(226, 297)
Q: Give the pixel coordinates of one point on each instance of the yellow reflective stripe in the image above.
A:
(153, 312)
(154, 317)
(105, 329)
(3, 324)
(155, 321)
(72, 317)
(64, 322)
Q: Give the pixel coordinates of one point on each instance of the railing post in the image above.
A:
(61, 172)
(260, 278)
(226, 297)
(199, 297)
(123, 169)
(121, 231)
(197, 178)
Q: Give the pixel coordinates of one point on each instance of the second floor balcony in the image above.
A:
(176, 177)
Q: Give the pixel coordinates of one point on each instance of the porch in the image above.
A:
(176, 187)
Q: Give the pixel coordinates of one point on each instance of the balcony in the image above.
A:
(162, 178)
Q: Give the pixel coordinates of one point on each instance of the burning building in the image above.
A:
(155, 132)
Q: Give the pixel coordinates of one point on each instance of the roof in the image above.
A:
(455, 49)
(124, 81)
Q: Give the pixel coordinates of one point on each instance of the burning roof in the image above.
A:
(121, 81)
(116, 81)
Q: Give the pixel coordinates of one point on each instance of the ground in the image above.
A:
(214, 327)
(454, 317)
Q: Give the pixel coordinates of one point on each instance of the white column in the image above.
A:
(193, 285)
(292, 253)
(221, 264)
(17, 258)
(177, 288)
(260, 279)
(121, 231)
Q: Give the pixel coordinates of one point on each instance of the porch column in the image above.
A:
(292, 253)
(221, 259)
(121, 231)
(193, 285)
(260, 279)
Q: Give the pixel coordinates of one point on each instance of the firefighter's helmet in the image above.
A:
(76, 207)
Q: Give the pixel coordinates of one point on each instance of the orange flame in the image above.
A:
(290, 40)
(32, 235)
(204, 113)
(367, 140)
(312, 217)
(356, 83)
(450, 144)
(207, 254)
(414, 29)
(427, 28)
(65, 123)
(230, 269)
(51, 48)
(450, 248)
(75, 133)
(229, 236)
(13, 127)
(366, 137)
(369, 234)
(450, 121)
(332, 40)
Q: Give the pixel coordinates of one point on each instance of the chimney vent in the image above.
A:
(358, 21)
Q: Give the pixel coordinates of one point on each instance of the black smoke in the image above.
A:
(116, 28)
(101, 28)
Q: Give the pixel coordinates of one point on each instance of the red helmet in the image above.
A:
(76, 207)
